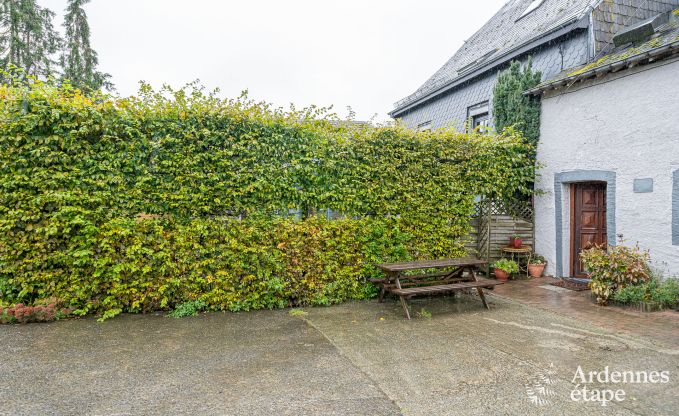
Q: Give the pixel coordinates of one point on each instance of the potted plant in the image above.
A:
(515, 241)
(536, 266)
(504, 268)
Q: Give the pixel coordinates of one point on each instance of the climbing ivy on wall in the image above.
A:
(511, 107)
(137, 204)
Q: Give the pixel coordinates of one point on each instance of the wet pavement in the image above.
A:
(661, 326)
(358, 358)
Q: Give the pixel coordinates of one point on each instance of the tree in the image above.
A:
(28, 40)
(79, 60)
(511, 107)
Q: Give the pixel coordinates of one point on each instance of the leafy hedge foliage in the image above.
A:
(137, 204)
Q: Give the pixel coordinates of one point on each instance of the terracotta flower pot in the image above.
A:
(536, 270)
(501, 275)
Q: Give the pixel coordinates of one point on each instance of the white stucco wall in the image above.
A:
(627, 123)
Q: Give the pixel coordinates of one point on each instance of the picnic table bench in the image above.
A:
(406, 286)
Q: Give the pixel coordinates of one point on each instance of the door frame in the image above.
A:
(573, 237)
(562, 180)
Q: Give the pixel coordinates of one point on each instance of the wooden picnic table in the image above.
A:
(406, 286)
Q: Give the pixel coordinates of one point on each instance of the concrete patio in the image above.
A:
(357, 358)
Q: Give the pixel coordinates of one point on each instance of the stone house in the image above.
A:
(609, 139)
(609, 146)
(558, 34)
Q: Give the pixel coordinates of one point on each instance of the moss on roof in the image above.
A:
(590, 66)
(666, 35)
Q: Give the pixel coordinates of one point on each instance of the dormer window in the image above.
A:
(534, 5)
(467, 68)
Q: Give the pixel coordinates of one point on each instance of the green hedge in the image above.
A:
(142, 203)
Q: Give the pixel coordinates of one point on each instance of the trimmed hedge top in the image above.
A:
(83, 176)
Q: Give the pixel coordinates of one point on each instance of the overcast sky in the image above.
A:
(366, 54)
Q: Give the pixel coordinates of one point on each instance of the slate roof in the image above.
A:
(504, 32)
(664, 43)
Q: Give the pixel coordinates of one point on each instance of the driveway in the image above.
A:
(358, 358)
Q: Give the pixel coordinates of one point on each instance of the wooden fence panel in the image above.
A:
(496, 222)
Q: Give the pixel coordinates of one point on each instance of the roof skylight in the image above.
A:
(534, 5)
(477, 62)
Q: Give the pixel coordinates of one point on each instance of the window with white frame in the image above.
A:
(479, 117)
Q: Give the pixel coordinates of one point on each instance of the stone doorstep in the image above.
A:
(554, 288)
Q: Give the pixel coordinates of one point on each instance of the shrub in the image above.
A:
(615, 268)
(511, 107)
(506, 265)
(40, 312)
(664, 292)
(632, 294)
(190, 308)
(131, 205)
(667, 293)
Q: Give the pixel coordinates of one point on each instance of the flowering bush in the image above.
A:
(615, 268)
(22, 314)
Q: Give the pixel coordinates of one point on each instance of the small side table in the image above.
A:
(517, 254)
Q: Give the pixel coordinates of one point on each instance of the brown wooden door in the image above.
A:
(588, 225)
